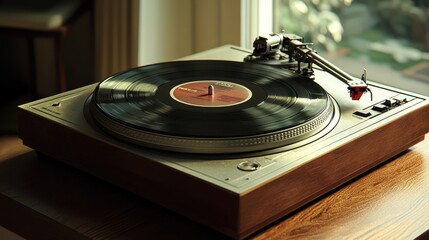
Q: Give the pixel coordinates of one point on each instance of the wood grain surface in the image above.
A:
(390, 202)
(44, 199)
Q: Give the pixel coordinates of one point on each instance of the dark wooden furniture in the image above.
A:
(45, 199)
(42, 19)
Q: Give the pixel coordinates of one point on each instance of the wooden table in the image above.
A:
(45, 199)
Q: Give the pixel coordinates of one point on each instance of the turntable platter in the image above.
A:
(211, 106)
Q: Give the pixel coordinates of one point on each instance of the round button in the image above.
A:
(248, 166)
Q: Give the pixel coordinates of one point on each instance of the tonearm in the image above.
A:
(292, 46)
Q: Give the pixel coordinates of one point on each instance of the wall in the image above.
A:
(170, 29)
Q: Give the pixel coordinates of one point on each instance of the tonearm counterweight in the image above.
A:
(277, 47)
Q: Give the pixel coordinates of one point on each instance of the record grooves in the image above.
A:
(211, 106)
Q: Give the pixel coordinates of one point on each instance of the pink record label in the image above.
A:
(210, 93)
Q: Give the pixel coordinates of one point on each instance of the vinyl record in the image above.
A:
(210, 106)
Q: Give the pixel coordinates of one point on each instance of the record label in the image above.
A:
(210, 93)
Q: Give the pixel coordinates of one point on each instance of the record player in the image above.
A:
(230, 138)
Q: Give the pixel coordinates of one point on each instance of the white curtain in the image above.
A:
(170, 29)
(116, 25)
(132, 32)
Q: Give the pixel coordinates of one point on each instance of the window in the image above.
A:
(256, 20)
(388, 37)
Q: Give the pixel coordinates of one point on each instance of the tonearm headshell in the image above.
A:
(289, 51)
